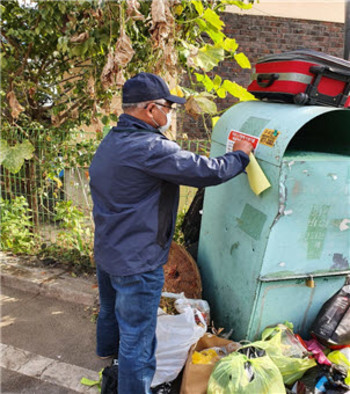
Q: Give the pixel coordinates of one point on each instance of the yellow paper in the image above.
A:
(256, 178)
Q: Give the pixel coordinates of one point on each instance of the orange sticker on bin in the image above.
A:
(269, 137)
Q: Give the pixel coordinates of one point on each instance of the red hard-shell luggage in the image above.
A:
(302, 77)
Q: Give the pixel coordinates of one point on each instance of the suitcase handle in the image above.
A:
(324, 71)
(266, 80)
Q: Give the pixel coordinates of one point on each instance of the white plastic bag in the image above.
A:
(201, 305)
(175, 335)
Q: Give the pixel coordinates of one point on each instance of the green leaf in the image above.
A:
(26, 149)
(289, 324)
(77, 50)
(89, 382)
(62, 6)
(3, 150)
(209, 57)
(221, 92)
(105, 120)
(13, 162)
(113, 117)
(188, 91)
(242, 60)
(105, 130)
(178, 9)
(16, 155)
(198, 6)
(230, 45)
(3, 62)
(208, 106)
(85, 47)
(237, 91)
(217, 81)
(199, 77)
(62, 44)
(213, 18)
(216, 35)
(208, 83)
(240, 4)
(202, 24)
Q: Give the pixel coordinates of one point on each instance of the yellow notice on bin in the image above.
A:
(256, 178)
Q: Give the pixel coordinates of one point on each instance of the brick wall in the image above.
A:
(262, 35)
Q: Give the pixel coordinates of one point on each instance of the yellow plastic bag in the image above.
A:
(337, 357)
(208, 356)
(237, 374)
(289, 359)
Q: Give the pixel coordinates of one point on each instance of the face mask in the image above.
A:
(164, 128)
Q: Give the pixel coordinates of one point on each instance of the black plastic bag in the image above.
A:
(332, 324)
(109, 383)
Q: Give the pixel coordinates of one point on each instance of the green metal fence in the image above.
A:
(52, 188)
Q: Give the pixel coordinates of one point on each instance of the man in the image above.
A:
(134, 178)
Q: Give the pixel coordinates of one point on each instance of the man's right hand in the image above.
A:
(244, 146)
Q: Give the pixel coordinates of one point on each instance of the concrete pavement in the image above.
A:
(47, 332)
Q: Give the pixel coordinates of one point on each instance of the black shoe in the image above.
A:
(109, 383)
(164, 388)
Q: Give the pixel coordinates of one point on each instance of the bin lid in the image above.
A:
(274, 126)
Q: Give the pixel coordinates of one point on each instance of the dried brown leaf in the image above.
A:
(133, 12)
(97, 14)
(162, 23)
(75, 113)
(158, 67)
(109, 71)
(160, 34)
(193, 108)
(31, 91)
(193, 54)
(15, 106)
(167, 62)
(158, 11)
(123, 50)
(80, 37)
(71, 18)
(120, 80)
(91, 86)
(170, 57)
(96, 124)
(106, 106)
(56, 120)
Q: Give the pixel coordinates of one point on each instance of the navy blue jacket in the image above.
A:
(134, 179)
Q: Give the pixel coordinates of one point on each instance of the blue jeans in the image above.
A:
(126, 326)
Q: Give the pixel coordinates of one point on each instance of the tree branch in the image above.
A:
(64, 61)
(10, 41)
(24, 61)
(67, 79)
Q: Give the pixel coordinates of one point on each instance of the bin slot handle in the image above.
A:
(306, 276)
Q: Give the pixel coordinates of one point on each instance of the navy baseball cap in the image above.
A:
(147, 87)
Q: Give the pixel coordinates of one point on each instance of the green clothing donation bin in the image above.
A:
(280, 255)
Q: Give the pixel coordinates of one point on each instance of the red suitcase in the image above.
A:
(302, 77)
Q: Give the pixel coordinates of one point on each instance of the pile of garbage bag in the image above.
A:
(279, 362)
